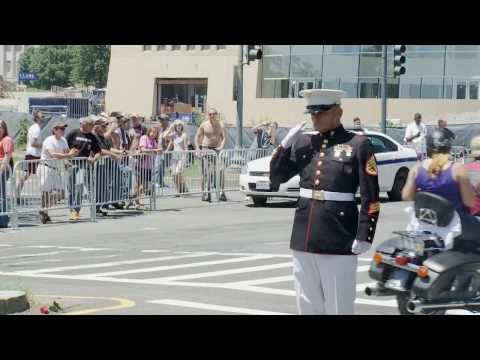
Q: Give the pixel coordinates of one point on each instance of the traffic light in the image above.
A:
(253, 53)
(399, 60)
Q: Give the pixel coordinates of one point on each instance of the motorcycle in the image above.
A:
(425, 276)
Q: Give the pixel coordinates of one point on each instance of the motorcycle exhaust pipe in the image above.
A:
(378, 291)
(416, 306)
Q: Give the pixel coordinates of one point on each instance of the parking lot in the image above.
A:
(188, 257)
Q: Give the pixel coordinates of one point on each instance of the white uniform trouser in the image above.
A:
(325, 284)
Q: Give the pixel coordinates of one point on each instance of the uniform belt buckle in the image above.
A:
(318, 195)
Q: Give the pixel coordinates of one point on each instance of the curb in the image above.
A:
(12, 302)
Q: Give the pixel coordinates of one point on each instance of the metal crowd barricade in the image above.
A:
(459, 153)
(125, 180)
(185, 172)
(232, 161)
(6, 200)
(43, 185)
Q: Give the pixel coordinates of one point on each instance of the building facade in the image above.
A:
(441, 80)
(9, 61)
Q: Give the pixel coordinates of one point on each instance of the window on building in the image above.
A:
(161, 47)
(204, 47)
(409, 87)
(191, 47)
(275, 88)
(221, 47)
(176, 47)
(147, 47)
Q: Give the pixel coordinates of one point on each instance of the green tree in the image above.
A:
(90, 64)
(51, 63)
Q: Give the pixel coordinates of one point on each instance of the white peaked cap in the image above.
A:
(319, 100)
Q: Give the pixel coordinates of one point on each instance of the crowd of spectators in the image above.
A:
(109, 141)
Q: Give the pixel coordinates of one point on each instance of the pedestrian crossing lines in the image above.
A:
(254, 273)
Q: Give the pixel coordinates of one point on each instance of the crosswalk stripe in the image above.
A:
(222, 272)
(212, 307)
(264, 281)
(33, 255)
(114, 263)
(387, 303)
(183, 266)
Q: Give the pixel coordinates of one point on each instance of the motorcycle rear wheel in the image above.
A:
(402, 301)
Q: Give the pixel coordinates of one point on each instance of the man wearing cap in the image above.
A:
(88, 148)
(328, 230)
(55, 147)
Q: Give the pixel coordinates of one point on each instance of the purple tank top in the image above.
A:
(443, 184)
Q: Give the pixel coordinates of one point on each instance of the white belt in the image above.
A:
(323, 195)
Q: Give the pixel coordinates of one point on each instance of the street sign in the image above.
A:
(25, 76)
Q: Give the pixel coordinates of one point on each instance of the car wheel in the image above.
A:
(259, 200)
(400, 179)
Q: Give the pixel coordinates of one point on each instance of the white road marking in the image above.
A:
(182, 266)
(387, 303)
(364, 259)
(40, 246)
(81, 248)
(154, 251)
(223, 272)
(34, 262)
(270, 280)
(33, 255)
(362, 286)
(148, 229)
(363, 268)
(113, 263)
(212, 307)
(5, 245)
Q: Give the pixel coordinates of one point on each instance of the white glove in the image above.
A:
(292, 135)
(360, 247)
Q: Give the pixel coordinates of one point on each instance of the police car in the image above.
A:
(393, 159)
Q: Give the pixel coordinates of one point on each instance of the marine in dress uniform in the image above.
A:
(328, 230)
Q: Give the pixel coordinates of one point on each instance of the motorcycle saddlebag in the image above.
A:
(450, 274)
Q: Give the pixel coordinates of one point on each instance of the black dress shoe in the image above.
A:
(223, 197)
(206, 197)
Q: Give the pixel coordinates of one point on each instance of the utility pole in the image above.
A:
(384, 91)
(253, 53)
(240, 99)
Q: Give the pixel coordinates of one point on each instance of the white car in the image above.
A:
(393, 160)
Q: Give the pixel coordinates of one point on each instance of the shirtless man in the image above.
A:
(211, 135)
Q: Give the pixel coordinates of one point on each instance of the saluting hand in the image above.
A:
(293, 135)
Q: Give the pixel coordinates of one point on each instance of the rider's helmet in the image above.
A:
(438, 142)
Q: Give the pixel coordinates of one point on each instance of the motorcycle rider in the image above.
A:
(439, 175)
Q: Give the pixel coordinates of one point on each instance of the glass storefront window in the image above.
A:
(276, 67)
(275, 88)
(433, 71)
(431, 88)
(350, 86)
(409, 88)
(369, 87)
(306, 65)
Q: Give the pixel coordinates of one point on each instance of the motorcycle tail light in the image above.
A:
(401, 260)
(377, 258)
(422, 272)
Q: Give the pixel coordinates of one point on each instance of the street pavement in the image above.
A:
(188, 257)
